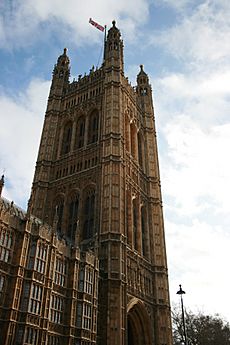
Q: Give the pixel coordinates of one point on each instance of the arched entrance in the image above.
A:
(138, 324)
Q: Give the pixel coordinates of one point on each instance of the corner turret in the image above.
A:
(143, 85)
(61, 74)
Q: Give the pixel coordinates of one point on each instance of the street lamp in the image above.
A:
(181, 292)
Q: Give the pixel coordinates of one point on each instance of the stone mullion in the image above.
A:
(73, 137)
(48, 289)
(130, 223)
(139, 244)
(60, 142)
(86, 134)
(16, 288)
(136, 143)
(129, 137)
(153, 237)
(147, 232)
(145, 157)
(73, 305)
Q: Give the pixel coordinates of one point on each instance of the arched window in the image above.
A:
(80, 133)
(67, 136)
(135, 235)
(89, 215)
(58, 212)
(72, 217)
(116, 46)
(93, 127)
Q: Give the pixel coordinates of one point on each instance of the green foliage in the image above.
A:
(200, 329)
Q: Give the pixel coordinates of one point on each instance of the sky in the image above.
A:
(184, 47)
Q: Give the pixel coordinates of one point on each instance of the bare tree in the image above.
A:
(201, 329)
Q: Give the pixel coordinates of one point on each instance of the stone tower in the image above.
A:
(97, 179)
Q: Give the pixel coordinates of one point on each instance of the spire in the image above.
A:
(1, 184)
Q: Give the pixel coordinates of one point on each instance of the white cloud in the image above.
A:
(69, 20)
(21, 119)
(201, 37)
(198, 85)
(178, 5)
(197, 172)
(192, 102)
(199, 253)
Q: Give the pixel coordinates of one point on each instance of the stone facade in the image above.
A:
(48, 288)
(87, 261)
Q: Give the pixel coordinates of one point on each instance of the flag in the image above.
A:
(98, 26)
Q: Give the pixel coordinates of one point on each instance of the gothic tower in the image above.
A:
(97, 179)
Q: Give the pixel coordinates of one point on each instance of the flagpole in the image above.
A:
(104, 41)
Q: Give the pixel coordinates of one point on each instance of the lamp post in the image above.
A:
(181, 292)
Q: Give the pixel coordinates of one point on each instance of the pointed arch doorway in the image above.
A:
(138, 324)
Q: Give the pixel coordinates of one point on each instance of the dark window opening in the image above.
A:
(67, 135)
(93, 128)
(58, 213)
(135, 225)
(80, 133)
(89, 214)
(143, 231)
(73, 218)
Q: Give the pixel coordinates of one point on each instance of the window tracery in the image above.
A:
(60, 274)
(56, 308)
(31, 336)
(41, 255)
(35, 299)
(6, 244)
